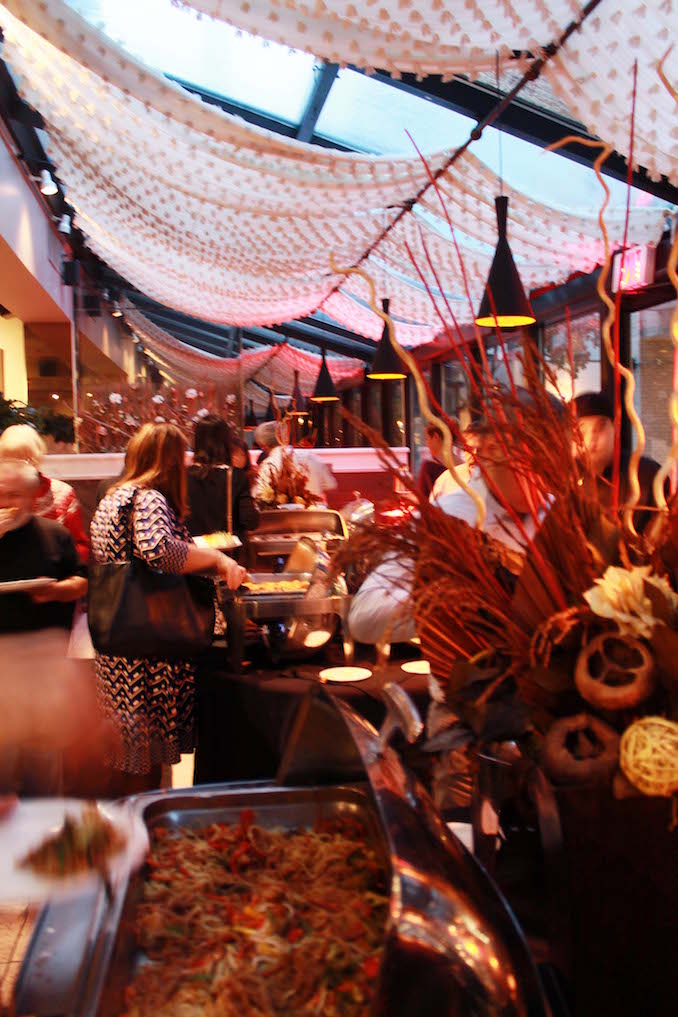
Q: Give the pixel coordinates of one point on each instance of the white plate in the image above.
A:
(33, 820)
(416, 667)
(25, 585)
(345, 674)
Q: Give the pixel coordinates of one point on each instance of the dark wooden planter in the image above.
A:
(620, 869)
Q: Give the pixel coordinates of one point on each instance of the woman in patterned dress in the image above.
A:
(151, 701)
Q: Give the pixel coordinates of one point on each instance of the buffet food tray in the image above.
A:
(264, 605)
(90, 952)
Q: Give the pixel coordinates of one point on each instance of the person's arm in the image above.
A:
(63, 590)
(157, 544)
(74, 524)
(71, 582)
(245, 512)
(213, 562)
(382, 606)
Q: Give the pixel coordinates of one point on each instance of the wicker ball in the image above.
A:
(649, 755)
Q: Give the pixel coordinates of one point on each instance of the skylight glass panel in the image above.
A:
(242, 68)
(371, 116)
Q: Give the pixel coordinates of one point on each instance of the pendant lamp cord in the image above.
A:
(499, 133)
(531, 74)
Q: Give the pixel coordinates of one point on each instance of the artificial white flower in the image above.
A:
(620, 595)
(191, 393)
(115, 397)
(160, 420)
(158, 398)
(202, 413)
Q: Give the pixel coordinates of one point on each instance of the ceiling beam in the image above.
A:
(253, 116)
(523, 120)
(325, 76)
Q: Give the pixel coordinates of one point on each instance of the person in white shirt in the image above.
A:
(320, 476)
(381, 610)
(446, 482)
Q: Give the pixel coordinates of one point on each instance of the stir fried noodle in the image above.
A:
(240, 921)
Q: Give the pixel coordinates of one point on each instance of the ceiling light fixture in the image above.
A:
(64, 224)
(504, 301)
(270, 409)
(250, 418)
(325, 390)
(387, 365)
(297, 405)
(47, 184)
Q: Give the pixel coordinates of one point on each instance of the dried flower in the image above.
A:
(158, 398)
(115, 398)
(191, 393)
(620, 595)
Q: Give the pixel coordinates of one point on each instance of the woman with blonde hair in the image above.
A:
(54, 499)
(151, 701)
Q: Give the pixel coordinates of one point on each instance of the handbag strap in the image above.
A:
(130, 525)
(229, 498)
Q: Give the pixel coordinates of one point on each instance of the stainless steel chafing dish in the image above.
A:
(451, 947)
(279, 530)
(295, 622)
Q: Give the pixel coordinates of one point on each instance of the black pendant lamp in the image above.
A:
(504, 302)
(270, 409)
(250, 418)
(387, 365)
(324, 391)
(297, 407)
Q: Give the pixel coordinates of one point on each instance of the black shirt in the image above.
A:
(41, 547)
(429, 471)
(208, 502)
(647, 469)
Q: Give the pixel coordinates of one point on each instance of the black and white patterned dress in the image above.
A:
(151, 701)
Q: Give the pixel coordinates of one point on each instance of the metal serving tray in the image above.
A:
(99, 980)
(274, 577)
(452, 947)
(288, 523)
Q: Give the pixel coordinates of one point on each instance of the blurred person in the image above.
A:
(151, 701)
(266, 439)
(445, 483)
(430, 469)
(320, 478)
(207, 482)
(240, 455)
(595, 420)
(381, 609)
(54, 499)
(34, 631)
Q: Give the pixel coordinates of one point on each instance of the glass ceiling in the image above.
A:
(271, 79)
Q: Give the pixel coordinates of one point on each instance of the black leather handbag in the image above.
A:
(135, 611)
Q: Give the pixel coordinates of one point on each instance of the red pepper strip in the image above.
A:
(183, 871)
(370, 967)
(241, 850)
(294, 935)
(246, 819)
(345, 987)
(323, 904)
